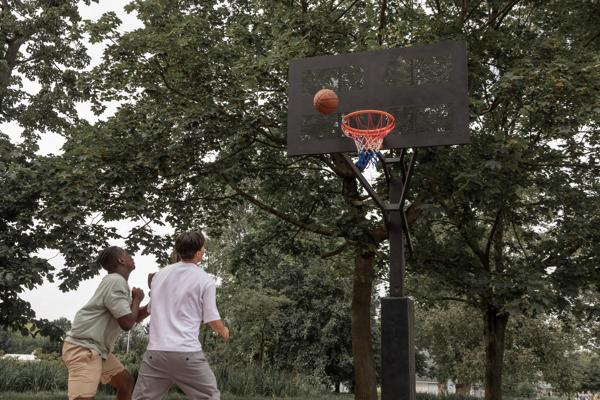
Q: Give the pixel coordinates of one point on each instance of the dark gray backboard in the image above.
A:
(424, 87)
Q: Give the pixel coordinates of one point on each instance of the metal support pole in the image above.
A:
(397, 349)
(397, 314)
(396, 238)
(397, 311)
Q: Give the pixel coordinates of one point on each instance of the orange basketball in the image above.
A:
(326, 101)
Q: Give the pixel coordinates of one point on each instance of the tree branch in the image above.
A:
(488, 246)
(473, 246)
(382, 21)
(335, 252)
(12, 52)
(315, 229)
(472, 11)
(521, 244)
(168, 85)
(330, 164)
(504, 12)
(436, 299)
(345, 11)
(270, 136)
(491, 107)
(497, 16)
(596, 36)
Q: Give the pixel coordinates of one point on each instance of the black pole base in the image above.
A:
(397, 349)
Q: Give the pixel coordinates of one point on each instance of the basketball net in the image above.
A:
(367, 128)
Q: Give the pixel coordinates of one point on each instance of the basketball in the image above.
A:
(326, 101)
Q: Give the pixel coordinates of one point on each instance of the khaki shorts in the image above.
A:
(87, 369)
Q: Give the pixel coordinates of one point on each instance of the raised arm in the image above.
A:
(127, 322)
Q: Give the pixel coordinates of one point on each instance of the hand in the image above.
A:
(137, 294)
(225, 333)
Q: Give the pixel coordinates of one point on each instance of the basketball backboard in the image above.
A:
(423, 87)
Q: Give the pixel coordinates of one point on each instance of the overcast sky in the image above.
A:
(47, 300)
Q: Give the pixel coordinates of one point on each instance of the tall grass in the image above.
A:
(171, 396)
(35, 376)
(249, 380)
(453, 396)
(51, 376)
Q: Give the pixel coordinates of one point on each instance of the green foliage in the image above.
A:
(42, 52)
(284, 312)
(42, 42)
(509, 223)
(589, 367)
(517, 204)
(537, 349)
(451, 338)
(29, 339)
(138, 341)
(19, 270)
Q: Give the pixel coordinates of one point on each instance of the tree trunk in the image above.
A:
(463, 389)
(362, 349)
(495, 328)
(442, 388)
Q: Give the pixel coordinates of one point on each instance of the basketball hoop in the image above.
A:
(367, 128)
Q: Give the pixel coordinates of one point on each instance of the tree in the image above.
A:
(508, 222)
(34, 340)
(285, 312)
(451, 338)
(589, 364)
(42, 42)
(41, 54)
(541, 349)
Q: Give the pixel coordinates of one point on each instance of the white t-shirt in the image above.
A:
(181, 297)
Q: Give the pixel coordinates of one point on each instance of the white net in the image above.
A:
(366, 143)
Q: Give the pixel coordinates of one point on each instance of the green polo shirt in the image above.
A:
(95, 325)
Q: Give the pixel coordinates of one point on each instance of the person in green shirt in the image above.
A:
(87, 350)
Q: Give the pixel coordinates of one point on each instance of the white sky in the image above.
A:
(47, 300)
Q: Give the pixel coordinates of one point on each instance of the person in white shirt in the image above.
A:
(182, 297)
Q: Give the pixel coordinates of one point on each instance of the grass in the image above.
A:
(172, 396)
